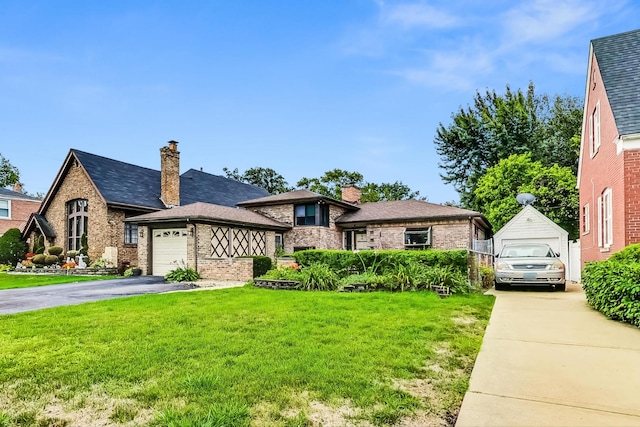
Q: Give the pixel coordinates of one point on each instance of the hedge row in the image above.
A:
(613, 286)
(261, 264)
(384, 260)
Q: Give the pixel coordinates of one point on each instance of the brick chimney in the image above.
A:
(170, 174)
(17, 187)
(351, 194)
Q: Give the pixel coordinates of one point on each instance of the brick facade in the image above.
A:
(20, 211)
(306, 236)
(105, 227)
(606, 169)
(170, 174)
(445, 234)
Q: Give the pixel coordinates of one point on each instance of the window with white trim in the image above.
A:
(77, 223)
(605, 219)
(594, 130)
(5, 209)
(586, 220)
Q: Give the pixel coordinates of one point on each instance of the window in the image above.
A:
(130, 234)
(417, 238)
(585, 219)
(316, 214)
(77, 222)
(594, 130)
(605, 219)
(5, 209)
(279, 242)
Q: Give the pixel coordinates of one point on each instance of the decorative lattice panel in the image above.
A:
(219, 242)
(258, 243)
(241, 242)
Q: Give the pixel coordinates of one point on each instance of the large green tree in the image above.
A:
(554, 188)
(9, 174)
(497, 126)
(330, 184)
(266, 178)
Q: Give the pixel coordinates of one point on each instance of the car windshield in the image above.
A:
(527, 251)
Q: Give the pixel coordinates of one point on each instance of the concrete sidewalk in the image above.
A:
(548, 359)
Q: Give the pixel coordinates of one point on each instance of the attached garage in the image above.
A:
(169, 247)
(531, 226)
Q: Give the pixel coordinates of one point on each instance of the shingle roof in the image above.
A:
(10, 194)
(296, 196)
(197, 186)
(127, 184)
(37, 220)
(404, 210)
(618, 59)
(213, 213)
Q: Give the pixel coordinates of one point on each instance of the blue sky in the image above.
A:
(298, 86)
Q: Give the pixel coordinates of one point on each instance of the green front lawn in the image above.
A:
(12, 281)
(242, 356)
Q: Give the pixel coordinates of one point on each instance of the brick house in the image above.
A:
(609, 165)
(16, 208)
(93, 195)
(214, 239)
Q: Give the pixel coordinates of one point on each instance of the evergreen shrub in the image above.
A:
(12, 247)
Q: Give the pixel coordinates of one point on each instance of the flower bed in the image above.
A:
(105, 271)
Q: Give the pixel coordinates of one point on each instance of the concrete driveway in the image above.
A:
(27, 299)
(548, 359)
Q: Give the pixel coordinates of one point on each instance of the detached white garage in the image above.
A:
(168, 247)
(531, 226)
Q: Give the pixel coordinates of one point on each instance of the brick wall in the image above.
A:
(240, 269)
(606, 169)
(632, 196)
(76, 185)
(144, 249)
(21, 210)
(452, 234)
(306, 236)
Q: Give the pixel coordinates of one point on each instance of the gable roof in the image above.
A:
(618, 59)
(208, 212)
(135, 187)
(296, 196)
(524, 212)
(5, 193)
(406, 210)
(38, 221)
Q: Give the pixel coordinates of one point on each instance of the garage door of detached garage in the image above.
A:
(169, 247)
(530, 226)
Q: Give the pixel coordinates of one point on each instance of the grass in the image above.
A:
(14, 281)
(240, 357)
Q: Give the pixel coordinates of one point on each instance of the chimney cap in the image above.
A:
(173, 145)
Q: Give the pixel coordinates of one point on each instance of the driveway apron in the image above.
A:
(549, 359)
(27, 299)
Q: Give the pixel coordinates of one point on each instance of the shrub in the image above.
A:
(487, 277)
(318, 277)
(282, 273)
(38, 244)
(383, 261)
(51, 259)
(38, 259)
(12, 247)
(629, 254)
(5, 267)
(613, 287)
(72, 254)
(84, 247)
(55, 250)
(446, 276)
(182, 274)
(368, 279)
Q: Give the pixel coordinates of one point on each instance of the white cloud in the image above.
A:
(417, 15)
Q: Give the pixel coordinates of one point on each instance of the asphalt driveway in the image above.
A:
(36, 298)
(549, 359)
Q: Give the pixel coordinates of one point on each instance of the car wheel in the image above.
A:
(561, 287)
(502, 286)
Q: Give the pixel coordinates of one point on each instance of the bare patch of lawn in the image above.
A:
(242, 357)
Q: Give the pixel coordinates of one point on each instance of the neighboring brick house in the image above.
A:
(15, 208)
(92, 195)
(609, 165)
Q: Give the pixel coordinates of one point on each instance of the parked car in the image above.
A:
(529, 264)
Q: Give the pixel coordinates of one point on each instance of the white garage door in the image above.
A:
(169, 247)
(554, 242)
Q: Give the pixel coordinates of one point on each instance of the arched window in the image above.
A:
(77, 222)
